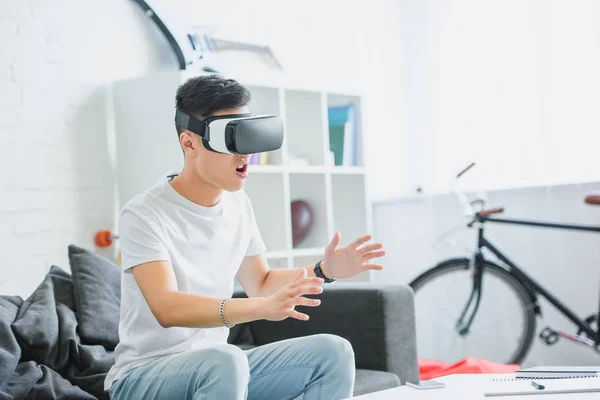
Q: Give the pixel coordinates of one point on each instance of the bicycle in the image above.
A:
(496, 301)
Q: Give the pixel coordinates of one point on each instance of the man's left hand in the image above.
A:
(352, 259)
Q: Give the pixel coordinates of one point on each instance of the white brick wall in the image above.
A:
(56, 187)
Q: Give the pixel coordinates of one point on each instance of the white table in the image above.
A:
(463, 387)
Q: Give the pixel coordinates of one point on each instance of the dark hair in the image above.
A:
(204, 95)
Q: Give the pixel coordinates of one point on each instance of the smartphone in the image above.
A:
(423, 385)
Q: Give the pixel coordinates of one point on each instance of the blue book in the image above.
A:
(342, 134)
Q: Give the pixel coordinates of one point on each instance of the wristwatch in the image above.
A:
(319, 273)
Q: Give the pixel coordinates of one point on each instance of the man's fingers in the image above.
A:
(334, 243)
(370, 247)
(361, 240)
(372, 255)
(302, 290)
(312, 281)
(298, 315)
(376, 267)
(303, 301)
(303, 273)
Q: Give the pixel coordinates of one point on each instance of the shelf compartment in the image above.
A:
(269, 210)
(349, 206)
(304, 126)
(311, 189)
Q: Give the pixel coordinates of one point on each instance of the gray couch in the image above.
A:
(377, 319)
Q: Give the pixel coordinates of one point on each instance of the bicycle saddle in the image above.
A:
(593, 199)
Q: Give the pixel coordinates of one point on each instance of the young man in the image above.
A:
(183, 242)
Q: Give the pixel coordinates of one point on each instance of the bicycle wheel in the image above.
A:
(503, 325)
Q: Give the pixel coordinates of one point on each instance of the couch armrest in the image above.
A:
(377, 319)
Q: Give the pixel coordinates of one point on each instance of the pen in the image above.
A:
(538, 387)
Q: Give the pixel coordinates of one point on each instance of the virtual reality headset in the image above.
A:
(237, 133)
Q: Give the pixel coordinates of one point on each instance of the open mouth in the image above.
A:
(242, 171)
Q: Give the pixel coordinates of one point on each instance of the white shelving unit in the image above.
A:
(147, 147)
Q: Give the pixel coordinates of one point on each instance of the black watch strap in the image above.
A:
(319, 273)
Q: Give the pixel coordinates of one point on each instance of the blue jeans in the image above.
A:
(319, 367)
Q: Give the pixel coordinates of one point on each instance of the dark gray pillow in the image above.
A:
(97, 292)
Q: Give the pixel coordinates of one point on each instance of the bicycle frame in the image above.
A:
(534, 287)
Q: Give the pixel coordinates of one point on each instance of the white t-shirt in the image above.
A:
(205, 245)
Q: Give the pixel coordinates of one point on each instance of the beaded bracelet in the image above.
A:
(222, 314)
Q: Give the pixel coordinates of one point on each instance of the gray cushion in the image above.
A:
(368, 316)
(368, 381)
(97, 293)
(378, 319)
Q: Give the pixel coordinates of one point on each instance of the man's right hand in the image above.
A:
(281, 305)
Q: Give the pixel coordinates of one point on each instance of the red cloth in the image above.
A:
(430, 369)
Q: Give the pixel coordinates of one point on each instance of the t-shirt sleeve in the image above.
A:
(140, 241)
(256, 245)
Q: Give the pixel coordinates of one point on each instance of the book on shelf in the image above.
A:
(263, 158)
(342, 134)
(254, 158)
(259, 159)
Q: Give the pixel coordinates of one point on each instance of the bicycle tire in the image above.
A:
(515, 285)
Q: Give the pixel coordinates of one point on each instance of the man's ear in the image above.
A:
(187, 142)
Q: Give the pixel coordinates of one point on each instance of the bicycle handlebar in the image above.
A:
(593, 199)
(486, 213)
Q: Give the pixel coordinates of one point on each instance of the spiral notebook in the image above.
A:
(513, 386)
(558, 372)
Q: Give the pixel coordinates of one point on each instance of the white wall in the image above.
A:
(57, 188)
(58, 58)
(511, 84)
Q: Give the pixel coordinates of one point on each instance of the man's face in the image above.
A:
(224, 171)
